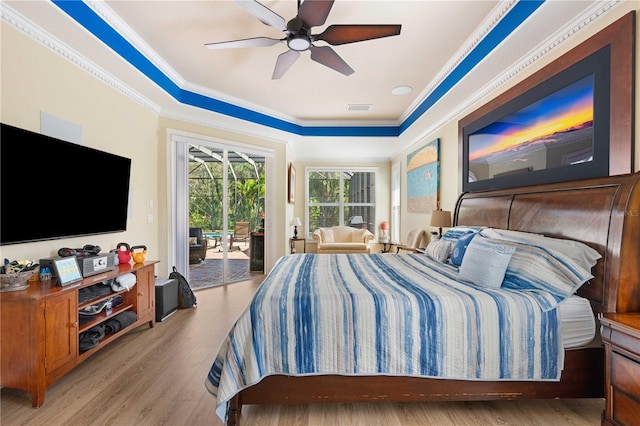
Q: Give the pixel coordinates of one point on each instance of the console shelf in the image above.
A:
(102, 317)
(40, 327)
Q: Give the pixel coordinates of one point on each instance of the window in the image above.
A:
(340, 196)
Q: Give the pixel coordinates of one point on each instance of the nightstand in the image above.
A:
(621, 337)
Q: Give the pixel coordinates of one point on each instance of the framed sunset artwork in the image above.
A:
(555, 131)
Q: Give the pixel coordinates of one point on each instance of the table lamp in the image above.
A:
(356, 220)
(440, 219)
(295, 222)
(384, 226)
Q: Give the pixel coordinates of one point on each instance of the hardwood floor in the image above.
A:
(156, 377)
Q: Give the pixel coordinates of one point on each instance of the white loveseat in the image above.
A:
(342, 239)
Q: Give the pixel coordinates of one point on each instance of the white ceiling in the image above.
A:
(307, 107)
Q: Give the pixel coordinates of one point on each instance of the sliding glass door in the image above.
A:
(225, 200)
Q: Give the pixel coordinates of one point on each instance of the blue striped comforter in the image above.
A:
(384, 314)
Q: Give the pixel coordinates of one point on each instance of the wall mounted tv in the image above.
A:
(51, 189)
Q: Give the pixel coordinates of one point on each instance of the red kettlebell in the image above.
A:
(124, 253)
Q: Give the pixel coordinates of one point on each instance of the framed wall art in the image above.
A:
(567, 122)
(423, 182)
(291, 187)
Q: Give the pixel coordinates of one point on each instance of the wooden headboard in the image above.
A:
(603, 213)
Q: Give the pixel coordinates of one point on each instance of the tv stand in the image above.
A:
(40, 327)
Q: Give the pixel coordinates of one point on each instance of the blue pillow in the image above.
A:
(454, 234)
(457, 254)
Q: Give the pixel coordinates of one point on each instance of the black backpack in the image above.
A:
(186, 296)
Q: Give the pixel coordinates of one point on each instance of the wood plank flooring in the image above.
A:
(156, 377)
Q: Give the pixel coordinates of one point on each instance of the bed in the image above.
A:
(603, 214)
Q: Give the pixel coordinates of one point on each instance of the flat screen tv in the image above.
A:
(51, 189)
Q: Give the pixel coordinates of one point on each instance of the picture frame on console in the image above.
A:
(566, 122)
(67, 271)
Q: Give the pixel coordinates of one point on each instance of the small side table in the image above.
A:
(292, 244)
(386, 247)
(621, 337)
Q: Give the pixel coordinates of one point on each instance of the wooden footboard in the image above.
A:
(583, 377)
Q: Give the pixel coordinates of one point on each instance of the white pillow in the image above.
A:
(485, 262)
(327, 235)
(438, 250)
(582, 254)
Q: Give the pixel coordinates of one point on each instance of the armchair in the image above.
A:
(197, 245)
(417, 238)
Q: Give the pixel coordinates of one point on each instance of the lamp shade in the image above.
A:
(356, 220)
(441, 218)
(296, 222)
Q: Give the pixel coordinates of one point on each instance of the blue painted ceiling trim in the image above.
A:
(86, 17)
(516, 16)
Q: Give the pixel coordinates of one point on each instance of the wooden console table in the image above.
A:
(41, 327)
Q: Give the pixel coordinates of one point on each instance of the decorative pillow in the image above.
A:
(460, 247)
(357, 236)
(193, 241)
(327, 235)
(438, 250)
(485, 262)
(497, 233)
(454, 234)
(580, 253)
(536, 268)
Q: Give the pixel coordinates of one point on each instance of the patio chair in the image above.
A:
(240, 234)
(197, 245)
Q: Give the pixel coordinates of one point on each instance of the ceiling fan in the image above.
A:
(298, 37)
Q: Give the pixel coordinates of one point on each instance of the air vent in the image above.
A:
(358, 107)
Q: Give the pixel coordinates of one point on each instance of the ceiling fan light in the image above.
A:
(299, 43)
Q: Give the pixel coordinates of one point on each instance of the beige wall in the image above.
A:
(34, 79)
(449, 153)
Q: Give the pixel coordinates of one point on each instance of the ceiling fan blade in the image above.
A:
(284, 62)
(343, 34)
(314, 12)
(263, 13)
(247, 42)
(328, 57)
